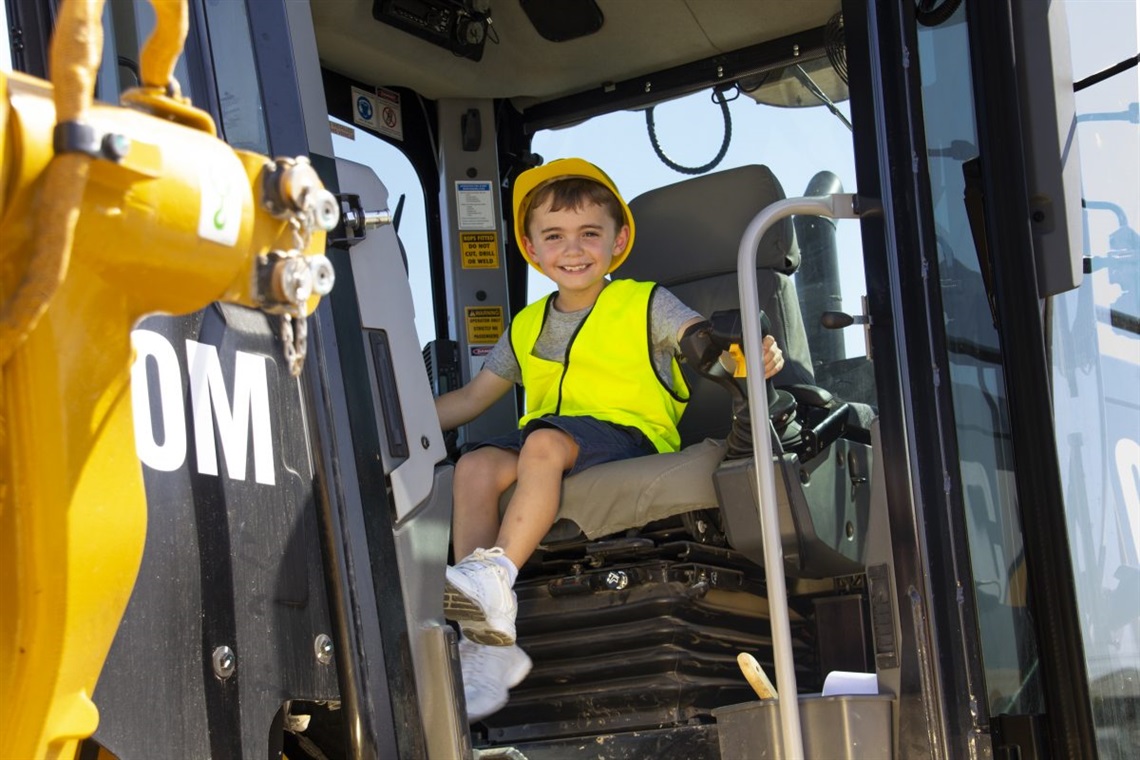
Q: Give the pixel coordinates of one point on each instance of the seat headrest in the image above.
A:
(692, 229)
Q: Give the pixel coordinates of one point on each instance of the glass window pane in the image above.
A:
(235, 71)
(978, 383)
(398, 175)
(1095, 349)
(127, 25)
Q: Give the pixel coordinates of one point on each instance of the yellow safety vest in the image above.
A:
(608, 370)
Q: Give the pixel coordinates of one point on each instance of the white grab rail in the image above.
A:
(838, 206)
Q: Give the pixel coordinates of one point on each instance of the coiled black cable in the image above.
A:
(929, 14)
(718, 97)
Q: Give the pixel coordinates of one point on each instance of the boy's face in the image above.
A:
(574, 247)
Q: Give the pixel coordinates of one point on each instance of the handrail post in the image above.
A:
(838, 206)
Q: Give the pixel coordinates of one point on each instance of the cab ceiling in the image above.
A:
(638, 37)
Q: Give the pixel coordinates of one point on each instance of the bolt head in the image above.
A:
(116, 146)
(617, 580)
(323, 276)
(295, 279)
(323, 648)
(326, 211)
(224, 661)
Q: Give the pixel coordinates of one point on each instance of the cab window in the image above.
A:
(405, 196)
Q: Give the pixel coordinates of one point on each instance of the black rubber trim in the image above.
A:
(394, 430)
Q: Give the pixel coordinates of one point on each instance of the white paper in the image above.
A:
(843, 682)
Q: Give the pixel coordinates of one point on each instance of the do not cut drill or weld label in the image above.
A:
(479, 250)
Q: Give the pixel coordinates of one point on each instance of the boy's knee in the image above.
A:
(473, 465)
(550, 443)
(481, 467)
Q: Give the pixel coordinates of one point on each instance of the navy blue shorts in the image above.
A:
(598, 441)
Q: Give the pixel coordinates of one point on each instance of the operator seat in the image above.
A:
(688, 235)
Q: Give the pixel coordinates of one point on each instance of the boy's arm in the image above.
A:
(465, 404)
(687, 325)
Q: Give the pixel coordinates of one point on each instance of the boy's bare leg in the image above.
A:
(546, 454)
(480, 479)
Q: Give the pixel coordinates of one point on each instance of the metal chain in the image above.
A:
(302, 232)
(300, 344)
(295, 329)
(294, 342)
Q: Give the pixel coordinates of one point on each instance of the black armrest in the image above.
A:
(811, 395)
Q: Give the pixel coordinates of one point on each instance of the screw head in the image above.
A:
(224, 661)
(323, 648)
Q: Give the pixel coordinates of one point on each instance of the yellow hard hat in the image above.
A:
(532, 179)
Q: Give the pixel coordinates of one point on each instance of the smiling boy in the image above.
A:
(598, 362)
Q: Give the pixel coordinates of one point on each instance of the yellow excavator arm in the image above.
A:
(108, 214)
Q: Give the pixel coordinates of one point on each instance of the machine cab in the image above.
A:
(935, 529)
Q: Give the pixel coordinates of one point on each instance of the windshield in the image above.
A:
(795, 143)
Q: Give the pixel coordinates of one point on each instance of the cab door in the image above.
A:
(989, 652)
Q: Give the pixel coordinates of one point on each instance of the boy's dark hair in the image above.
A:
(573, 193)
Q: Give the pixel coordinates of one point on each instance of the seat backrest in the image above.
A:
(688, 236)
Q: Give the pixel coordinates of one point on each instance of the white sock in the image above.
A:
(503, 561)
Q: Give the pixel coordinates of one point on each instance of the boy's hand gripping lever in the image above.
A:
(705, 343)
(713, 349)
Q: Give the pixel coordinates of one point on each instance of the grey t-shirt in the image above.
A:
(666, 315)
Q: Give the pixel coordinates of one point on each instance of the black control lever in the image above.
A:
(837, 320)
(727, 327)
(728, 330)
(703, 344)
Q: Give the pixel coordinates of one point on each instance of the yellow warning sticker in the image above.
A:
(484, 324)
(479, 250)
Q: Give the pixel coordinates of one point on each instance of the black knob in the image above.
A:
(836, 320)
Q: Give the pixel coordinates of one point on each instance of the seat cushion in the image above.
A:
(617, 496)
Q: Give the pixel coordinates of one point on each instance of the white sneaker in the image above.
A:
(488, 675)
(478, 595)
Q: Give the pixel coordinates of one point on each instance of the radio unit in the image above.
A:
(451, 24)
